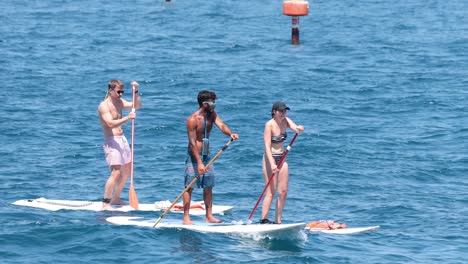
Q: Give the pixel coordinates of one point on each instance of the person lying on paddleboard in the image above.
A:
(199, 126)
(116, 148)
(322, 224)
(273, 137)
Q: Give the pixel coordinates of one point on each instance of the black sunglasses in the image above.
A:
(120, 92)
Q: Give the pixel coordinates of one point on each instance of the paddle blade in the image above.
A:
(133, 197)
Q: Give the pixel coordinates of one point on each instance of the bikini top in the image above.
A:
(279, 139)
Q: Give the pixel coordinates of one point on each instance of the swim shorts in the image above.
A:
(191, 171)
(117, 150)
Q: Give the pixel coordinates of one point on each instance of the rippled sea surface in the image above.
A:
(380, 86)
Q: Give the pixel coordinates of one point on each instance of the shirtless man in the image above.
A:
(199, 126)
(116, 147)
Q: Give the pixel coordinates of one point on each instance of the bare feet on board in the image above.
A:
(118, 202)
(213, 220)
(107, 206)
(187, 222)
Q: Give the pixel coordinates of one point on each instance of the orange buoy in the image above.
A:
(295, 8)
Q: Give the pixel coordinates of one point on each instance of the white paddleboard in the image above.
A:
(283, 231)
(54, 205)
(345, 231)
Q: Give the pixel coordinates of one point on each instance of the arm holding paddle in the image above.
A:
(299, 129)
(136, 99)
(192, 125)
(107, 118)
(107, 114)
(225, 129)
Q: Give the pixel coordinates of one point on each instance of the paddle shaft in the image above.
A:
(278, 167)
(193, 181)
(133, 199)
(133, 136)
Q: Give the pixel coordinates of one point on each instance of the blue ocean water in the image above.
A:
(380, 86)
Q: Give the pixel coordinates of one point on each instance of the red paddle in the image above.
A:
(131, 193)
(278, 167)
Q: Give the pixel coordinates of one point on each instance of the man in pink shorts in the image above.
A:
(116, 147)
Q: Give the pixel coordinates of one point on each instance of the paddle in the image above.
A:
(278, 167)
(193, 181)
(131, 193)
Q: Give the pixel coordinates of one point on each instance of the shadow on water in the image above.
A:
(190, 242)
(281, 245)
(294, 243)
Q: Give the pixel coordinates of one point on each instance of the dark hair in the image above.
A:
(115, 83)
(204, 96)
(278, 106)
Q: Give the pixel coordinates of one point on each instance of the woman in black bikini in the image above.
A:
(274, 137)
